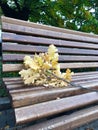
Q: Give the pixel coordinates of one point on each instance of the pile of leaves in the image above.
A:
(40, 69)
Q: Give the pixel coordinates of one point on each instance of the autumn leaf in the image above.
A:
(40, 69)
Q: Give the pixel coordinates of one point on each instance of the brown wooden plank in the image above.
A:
(18, 67)
(12, 67)
(31, 97)
(52, 28)
(47, 41)
(86, 73)
(80, 80)
(89, 83)
(37, 111)
(69, 122)
(46, 33)
(11, 79)
(78, 73)
(89, 77)
(15, 84)
(14, 47)
(75, 77)
(79, 65)
(62, 58)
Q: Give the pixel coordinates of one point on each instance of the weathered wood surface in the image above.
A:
(57, 29)
(51, 108)
(69, 58)
(18, 67)
(43, 32)
(68, 122)
(23, 95)
(76, 50)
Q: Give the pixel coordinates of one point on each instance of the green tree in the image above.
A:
(71, 14)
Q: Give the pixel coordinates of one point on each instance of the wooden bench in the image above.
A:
(50, 108)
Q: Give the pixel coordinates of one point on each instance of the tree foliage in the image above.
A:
(71, 14)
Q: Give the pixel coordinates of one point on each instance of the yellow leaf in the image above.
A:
(32, 79)
(46, 65)
(51, 51)
(29, 62)
(26, 73)
(68, 75)
(37, 68)
(46, 57)
(38, 59)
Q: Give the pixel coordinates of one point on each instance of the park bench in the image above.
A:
(50, 108)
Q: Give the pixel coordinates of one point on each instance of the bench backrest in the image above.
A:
(20, 38)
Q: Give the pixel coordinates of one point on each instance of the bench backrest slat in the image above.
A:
(23, 39)
(46, 33)
(57, 29)
(18, 67)
(69, 58)
(9, 47)
(20, 38)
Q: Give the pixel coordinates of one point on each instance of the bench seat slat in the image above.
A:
(31, 97)
(23, 88)
(26, 94)
(17, 82)
(27, 90)
(45, 33)
(10, 37)
(68, 121)
(45, 109)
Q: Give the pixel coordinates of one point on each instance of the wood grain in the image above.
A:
(32, 24)
(14, 47)
(46, 33)
(69, 122)
(46, 109)
(31, 103)
(18, 67)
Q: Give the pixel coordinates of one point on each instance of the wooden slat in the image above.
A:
(8, 79)
(19, 81)
(62, 58)
(12, 67)
(52, 28)
(27, 90)
(86, 73)
(79, 65)
(13, 83)
(14, 47)
(45, 109)
(11, 37)
(29, 98)
(69, 122)
(16, 85)
(18, 67)
(45, 33)
(80, 78)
